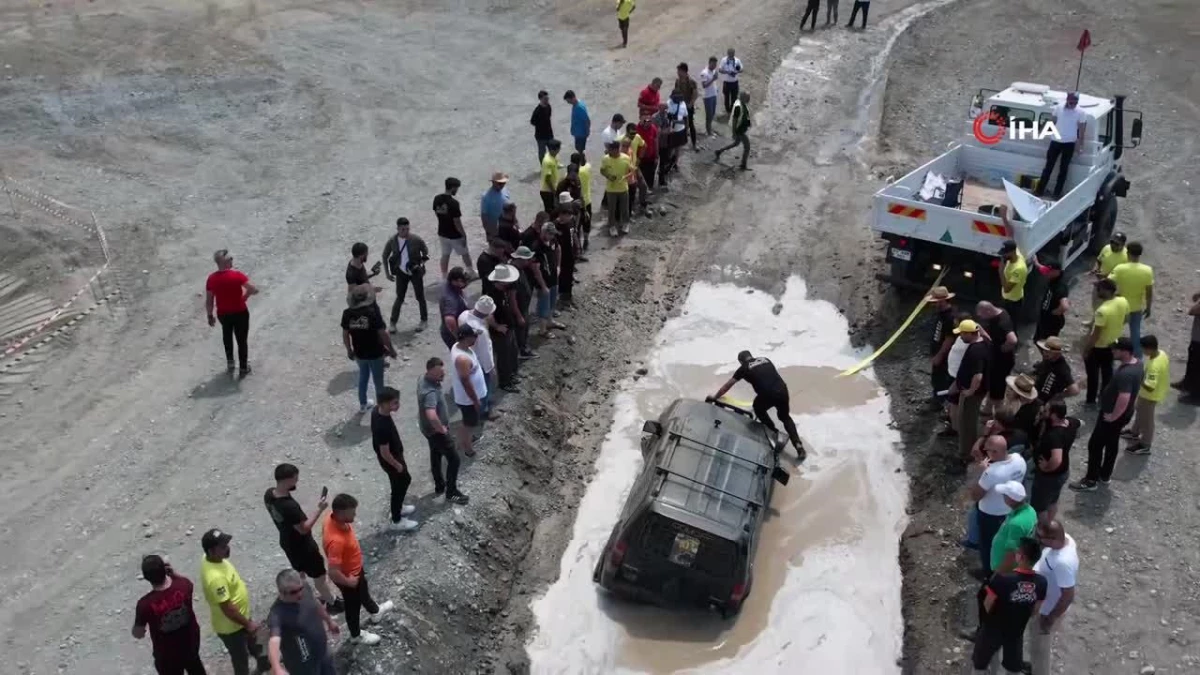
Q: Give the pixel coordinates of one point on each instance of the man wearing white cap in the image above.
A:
(480, 319)
(1017, 525)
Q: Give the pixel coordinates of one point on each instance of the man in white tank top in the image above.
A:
(468, 384)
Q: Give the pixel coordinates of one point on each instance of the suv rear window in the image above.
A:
(667, 540)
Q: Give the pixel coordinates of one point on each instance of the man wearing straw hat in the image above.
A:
(491, 205)
(940, 341)
(1052, 375)
(1021, 401)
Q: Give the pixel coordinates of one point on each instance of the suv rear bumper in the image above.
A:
(612, 581)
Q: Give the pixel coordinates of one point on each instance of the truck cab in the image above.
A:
(943, 216)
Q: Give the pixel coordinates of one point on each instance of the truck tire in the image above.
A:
(1103, 225)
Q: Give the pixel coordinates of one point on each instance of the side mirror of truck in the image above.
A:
(651, 427)
(1135, 136)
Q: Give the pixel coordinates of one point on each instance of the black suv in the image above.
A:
(689, 528)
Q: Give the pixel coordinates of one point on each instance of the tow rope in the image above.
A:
(903, 327)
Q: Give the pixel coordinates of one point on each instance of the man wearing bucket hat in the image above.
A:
(491, 205)
(1052, 312)
(770, 391)
(1021, 402)
(940, 341)
(970, 385)
(1052, 375)
(502, 325)
(522, 262)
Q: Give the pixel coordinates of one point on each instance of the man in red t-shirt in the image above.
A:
(648, 160)
(167, 611)
(227, 290)
(649, 99)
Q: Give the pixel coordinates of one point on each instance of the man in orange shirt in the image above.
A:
(346, 568)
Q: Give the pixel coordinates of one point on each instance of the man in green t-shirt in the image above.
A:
(1018, 524)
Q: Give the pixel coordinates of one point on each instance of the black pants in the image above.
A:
(357, 599)
(189, 664)
(442, 447)
(623, 24)
(780, 402)
(730, 90)
(991, 640)
(1060, 153)
(813, 9)
(1098, 364)
(865, 7)
(742, 140)
(999, 368)
(241, 645)
(504, 346)
(235, 326)
(989, 525)
(399, 483)
(831, 15)
(1103, 446)
(523, 331)
(1049, 325)
(1191, 376)
(666, 159)
(403, 281)
(648, 168)
(691, 122)
(939, 379)
(549, 201)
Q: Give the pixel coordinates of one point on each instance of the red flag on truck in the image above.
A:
(1085, 41)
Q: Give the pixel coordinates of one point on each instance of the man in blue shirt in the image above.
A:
(581, 123)
(491, 206)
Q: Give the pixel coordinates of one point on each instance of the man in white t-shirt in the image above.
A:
(730, 69)
(1071, 123)
(999, 466)
(478, 319)
(614, 131)
(1060, 565)
(708, 83)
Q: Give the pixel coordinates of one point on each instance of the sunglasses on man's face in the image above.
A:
(294, 592)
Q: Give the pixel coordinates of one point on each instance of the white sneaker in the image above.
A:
(403, 525)
(367, 638)
(408, 510)
(364, 409)
(384, 608)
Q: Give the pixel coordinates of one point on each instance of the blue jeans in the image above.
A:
(541, 143)
(546, 302)
(369, 369)
(580, 143)
(972, 539)
(1135, 332)
(710, 112)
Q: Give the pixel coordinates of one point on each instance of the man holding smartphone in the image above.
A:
(295, 532)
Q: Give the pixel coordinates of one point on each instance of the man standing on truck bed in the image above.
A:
(770, 391)
(1070, 122)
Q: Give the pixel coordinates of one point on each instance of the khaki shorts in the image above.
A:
(454, 246)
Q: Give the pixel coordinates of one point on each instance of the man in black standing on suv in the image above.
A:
(295, 532)
(404, 257)
(770, 391)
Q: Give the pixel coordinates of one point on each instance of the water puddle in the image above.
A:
(827, 582)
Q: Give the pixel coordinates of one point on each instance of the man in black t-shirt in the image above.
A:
(770, 391)
(970, 385)
(497, 253)
(297, 624)
(503, 326)
(295, 532)
(389, 450)
(451, 234)
(941, 339)
(1117, 401)
(1052, 458)
(366, 339)
(1002, 336)
(1052, 315)
(1052, 375)
(1011, 598)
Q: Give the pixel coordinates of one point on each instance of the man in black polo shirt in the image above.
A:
(295, 532)
(497, 253)
(1002, 335)
(1052, 375)
(970, 385)
(1011, 598)
(770, 391)
(1117, 401)
(1052, 315)
(940, 341)
(1051, 456)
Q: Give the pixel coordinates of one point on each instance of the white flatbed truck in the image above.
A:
(958, 229)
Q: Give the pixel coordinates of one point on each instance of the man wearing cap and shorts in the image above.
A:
(295, 531)
(167, 611)
(940, 341)
(1052, 375)
(229, 602)
(481, 320)
(469, 386)
(450, 228)
(1052, 311)
(1117, 403)
(1071, 123)
(770, 391)
(970, 385)
(226, 292)
(491, 205)
(1052, 458)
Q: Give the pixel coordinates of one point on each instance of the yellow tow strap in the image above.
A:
(904, 326)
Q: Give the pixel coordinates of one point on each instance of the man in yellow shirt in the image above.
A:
(1111, 255)
(1135, 283)
(229, 603)
(1154, 390)
(624, 9)
(1012, 275)
(636, 145)
(550, 175)
(615, 168)
(1107, 325)
(585, 192)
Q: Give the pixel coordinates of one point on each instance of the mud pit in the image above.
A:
(826, 582)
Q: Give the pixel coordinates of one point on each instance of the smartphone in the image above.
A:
(324, 492)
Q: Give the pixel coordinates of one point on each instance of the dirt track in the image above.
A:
(285, 132)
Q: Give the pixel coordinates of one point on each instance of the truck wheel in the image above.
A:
(1103, 225)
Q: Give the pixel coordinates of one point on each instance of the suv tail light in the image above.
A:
(737, 595)
(618, 553)
(902, 243)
